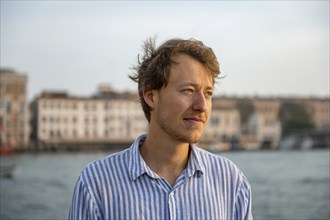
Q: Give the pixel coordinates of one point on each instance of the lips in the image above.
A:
(194, 119)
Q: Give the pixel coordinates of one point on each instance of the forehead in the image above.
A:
(187, 69)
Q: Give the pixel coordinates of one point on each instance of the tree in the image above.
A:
(294, 117)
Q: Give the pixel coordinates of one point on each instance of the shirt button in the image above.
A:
(172, 194)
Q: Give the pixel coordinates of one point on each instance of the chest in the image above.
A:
(147, 198)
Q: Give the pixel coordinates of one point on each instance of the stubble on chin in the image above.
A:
(177, 133)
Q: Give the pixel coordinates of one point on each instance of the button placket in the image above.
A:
(171, 203)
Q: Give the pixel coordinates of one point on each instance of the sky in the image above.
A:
(265, 48)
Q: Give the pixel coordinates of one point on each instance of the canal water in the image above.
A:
(285, 184)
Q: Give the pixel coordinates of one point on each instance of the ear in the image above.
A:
(150, 97)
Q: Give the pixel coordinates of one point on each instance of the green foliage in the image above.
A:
(294, 117)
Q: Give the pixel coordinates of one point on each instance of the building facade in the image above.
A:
(264, 123)
(61, 120)
(319, 111)
(259, 125)
(223, 129)
(14, 110)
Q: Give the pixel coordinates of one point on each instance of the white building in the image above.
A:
(319, 111)
(64, 120)
(267, 134)
(223, 128)
(223, 123)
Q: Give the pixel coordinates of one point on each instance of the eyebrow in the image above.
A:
(195, 85)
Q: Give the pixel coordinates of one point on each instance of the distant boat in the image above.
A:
(7, 170)
(5, 146)
(4, 151)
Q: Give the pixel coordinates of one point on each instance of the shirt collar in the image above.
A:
(195, 164)
(138, 167)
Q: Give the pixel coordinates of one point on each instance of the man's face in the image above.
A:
(183, 107)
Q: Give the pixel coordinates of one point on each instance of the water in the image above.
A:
(285, 184)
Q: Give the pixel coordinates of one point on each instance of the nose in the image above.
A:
(200, 103)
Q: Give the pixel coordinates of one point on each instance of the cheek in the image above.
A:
(175, 103)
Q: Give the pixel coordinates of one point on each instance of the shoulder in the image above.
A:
(97, 171)
(211, 159)
(109, 169)
(109, 162)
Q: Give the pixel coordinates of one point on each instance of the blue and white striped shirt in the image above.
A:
(122, 186)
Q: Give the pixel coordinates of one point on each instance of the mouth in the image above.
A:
(194, 120)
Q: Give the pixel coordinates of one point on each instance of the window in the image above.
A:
(74, 120)
(8, 136)
(22, 107)
(8, 88)
(214, 121)
(21, 137)
(8, 107)
(8, 123)
(21, 124)
(22, 88)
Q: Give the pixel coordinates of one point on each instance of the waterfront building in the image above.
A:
(262, 127)
(263, 133)
(269, 109)
(60, 120)
(223, 129)
(265, 123)
(109, 117)
(14, 111)
(319, 111)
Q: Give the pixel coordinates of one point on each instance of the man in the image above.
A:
(164, 175)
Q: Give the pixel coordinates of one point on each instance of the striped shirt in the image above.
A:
(122, 186)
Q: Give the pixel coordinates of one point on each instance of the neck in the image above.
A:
(164, 156)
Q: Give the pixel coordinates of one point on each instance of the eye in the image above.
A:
(209, 93)
(188, 91)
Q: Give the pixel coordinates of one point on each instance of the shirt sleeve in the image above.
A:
(243, 204)
(83, 206)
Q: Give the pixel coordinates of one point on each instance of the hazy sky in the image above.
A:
(264, 47)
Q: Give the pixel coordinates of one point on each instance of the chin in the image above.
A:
(191, 138)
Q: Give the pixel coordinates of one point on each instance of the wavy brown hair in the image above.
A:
(153, 69)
